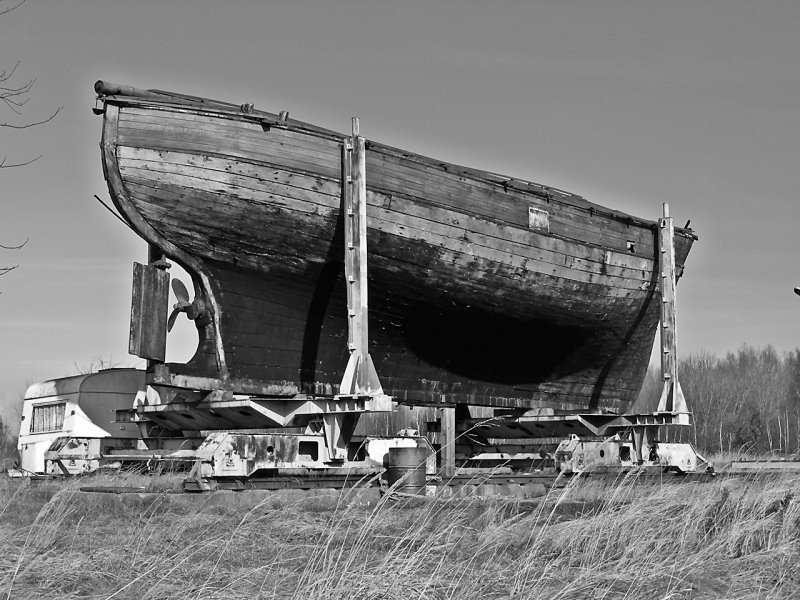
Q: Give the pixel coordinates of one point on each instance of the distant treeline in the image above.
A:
(8, 446)
(748, 401)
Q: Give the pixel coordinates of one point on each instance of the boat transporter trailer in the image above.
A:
(238, 440)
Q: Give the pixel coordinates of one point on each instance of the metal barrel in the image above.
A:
(407, 465)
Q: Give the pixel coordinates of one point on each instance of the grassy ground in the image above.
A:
(729, 538)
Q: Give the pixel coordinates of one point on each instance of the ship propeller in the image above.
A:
(193, 308)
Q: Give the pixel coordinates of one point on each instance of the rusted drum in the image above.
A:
(407, 465)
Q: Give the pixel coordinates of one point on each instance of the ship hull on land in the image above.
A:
(483, 289)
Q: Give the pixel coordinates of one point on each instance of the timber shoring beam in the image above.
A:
(672, 398)
(360, 378)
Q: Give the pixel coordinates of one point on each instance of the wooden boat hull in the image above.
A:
(482, 289)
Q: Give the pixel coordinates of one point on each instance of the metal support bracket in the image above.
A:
(338, 429)
(672, 398)
(644, 439)
(360, 377)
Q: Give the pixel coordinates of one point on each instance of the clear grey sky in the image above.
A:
(628, 103)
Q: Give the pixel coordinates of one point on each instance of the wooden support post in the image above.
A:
(360, 378)
(672, 399)
(448, 442)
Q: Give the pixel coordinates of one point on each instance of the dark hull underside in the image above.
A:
(482, 289)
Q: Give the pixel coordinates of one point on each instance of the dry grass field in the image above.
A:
(728, 538)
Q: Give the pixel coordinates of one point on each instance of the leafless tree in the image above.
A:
(98, 363)
(4, 270)
(14, 95)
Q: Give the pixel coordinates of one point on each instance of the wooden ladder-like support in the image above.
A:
(672, 399)
(360, 378)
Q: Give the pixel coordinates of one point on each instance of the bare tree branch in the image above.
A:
(9, 95)
(7, 165)
(6, 270)
(15, 247)
(14, 97)
(35, 123)
(8, 10)
(6, 75)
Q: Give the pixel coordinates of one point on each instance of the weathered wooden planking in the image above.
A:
(529, 258)
(148, 158)
(550, 194)
(269, 195)
(477, 230)
(420, 390)
(425, 231)
(219, 217)
(165, 119)
(382, 345)
(399, 220)
(221, 144)
(403, 177)
(589, 305)
(210, 224)
(250, 124)
(440, 184)
(596, 297)
(585, 220)
(191, 108)
(249, 132)
(299, 207)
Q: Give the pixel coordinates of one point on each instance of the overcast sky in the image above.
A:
(628, 103)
